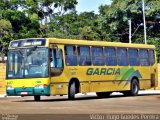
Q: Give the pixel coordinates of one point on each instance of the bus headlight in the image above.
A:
(10, 88)
(41, 86)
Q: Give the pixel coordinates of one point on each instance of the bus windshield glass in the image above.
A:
(27, 63)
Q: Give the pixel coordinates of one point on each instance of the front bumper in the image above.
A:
(28, 91)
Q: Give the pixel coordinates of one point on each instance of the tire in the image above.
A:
(37, 97)
(103, 94)
(133, 89)
(72, 91)
(126, 93)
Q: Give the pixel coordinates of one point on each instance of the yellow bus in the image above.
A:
(51, 66)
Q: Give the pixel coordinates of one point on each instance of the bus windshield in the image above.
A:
(27, 63)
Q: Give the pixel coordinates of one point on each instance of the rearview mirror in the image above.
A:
(4, 50)
(55, 71)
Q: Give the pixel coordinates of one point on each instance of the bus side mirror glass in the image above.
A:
(5, 50)
(55, 71)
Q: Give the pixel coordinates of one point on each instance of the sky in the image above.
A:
(90, 5)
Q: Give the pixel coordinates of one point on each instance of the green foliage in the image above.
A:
(5, 32)
(72, 25)
(30, 18)
(5, 25)
(58, 18)
(156, 42)
(114, 19)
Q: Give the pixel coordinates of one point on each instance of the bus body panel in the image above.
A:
(95, 82)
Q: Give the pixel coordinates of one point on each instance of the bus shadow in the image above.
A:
(85, 98)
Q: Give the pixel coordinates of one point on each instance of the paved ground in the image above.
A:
(145, 103)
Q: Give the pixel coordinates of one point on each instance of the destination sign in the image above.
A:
(27, 43)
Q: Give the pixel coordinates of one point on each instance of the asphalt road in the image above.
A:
(145, 103)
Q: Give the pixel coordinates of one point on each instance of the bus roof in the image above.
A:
(97, 43)
(87, 43)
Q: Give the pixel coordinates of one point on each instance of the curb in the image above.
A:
(3, 95)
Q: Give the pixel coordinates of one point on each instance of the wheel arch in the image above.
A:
(77, 83)
(135, 77)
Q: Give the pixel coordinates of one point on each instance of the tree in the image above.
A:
(58, 18)
(73, 25)
(115, 18)
(5, 33)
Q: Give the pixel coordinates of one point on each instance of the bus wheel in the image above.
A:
(103, 94)
(37, 97)
(134, 88)
(72, 91)
(126, 93)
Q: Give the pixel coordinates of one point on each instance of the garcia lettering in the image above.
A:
(103, 71)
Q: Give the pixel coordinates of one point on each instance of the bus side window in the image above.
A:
(71, 55)
(143, 57)
(56, 59)
(56, 62)
(122, 56)
(97, 56)
(59, 58)
(84, 57)
(110, 56)
(52, 58)
(133, 57)
(151, 57)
